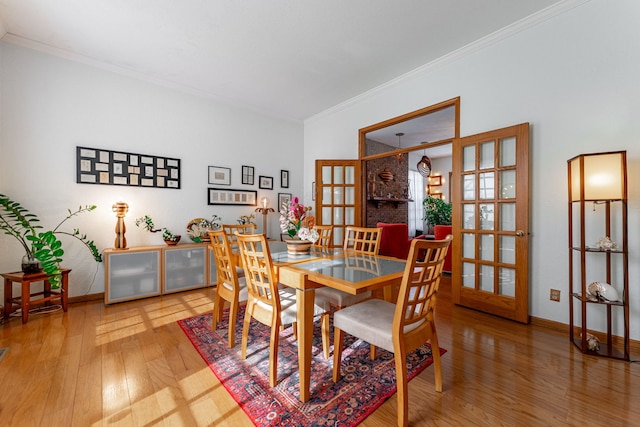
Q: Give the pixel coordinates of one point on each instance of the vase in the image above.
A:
(30, 265)
(297, 247)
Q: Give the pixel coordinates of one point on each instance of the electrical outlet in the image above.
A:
(554, 295)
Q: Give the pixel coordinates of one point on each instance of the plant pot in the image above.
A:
(298, 247)
(30, 265)
(174, 241)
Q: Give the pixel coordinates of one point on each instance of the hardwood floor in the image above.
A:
(130, 364)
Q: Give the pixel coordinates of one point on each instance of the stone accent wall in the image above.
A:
(392, 212)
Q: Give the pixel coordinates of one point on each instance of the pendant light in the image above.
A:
(424, 165)
(400, 156)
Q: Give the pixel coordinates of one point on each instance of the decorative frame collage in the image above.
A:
(107, 167)
(218, 175)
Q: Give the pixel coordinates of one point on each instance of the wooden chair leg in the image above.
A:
(338, 345)
(273, 354)
(435, 353)
(233, 314)
(217, 311)
(324, 319)
(402, 389)
(372, 352)
(245, 329)
(294, 325)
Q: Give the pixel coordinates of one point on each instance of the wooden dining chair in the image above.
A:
(232, 230)
(230, 287)
(325, 239)
(269, 303)
(364, 240)
(404, 326)
(360, 240)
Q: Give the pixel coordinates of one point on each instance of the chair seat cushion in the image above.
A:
(371, 321)
(339, 298)
(243, 295)
(289, 311)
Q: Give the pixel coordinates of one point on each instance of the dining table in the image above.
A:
(347, 271)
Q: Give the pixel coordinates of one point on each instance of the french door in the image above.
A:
(490, 195)
(338, 195)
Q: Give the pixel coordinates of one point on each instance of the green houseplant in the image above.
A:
(41, 246)
(436, 211)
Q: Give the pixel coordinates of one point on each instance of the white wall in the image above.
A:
(574, 77)
(50, 105)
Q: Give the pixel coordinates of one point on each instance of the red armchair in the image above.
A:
(440, 232)
(395, 240)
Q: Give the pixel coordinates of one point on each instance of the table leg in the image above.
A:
(64, 291)
(8, 295)
(305, 305)
(26, 300)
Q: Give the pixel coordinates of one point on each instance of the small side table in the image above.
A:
(25, 301)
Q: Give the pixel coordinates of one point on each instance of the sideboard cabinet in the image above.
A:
(146, 271)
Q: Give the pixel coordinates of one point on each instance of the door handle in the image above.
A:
(519, 233)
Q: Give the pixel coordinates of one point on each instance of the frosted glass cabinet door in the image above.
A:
(184, 268)
(131, 274)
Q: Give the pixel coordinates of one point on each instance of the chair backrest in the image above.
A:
(325, 240)
(231, 230)
(262, 282)
(420, 282)
(226, 272)
(362, 240)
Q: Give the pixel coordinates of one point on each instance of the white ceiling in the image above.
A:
(287, 58)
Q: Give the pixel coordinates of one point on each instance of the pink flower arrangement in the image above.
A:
(295, 220)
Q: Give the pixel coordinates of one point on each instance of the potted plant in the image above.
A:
(167, 235)
(43, 250)
(436, 211)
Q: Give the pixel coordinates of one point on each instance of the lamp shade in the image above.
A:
(424, 166)
(601, 176)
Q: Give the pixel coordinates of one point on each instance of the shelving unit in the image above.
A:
(599, 179)
(146, 271)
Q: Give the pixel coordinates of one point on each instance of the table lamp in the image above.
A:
(264, 209)
(121, 209)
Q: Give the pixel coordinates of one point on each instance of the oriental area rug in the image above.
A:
(364, 386)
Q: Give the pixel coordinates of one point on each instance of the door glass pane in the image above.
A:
(507, 249)
(469, 216)
(326, 215)
(508, 184)
(507, 216)
(326, 175)
(337, 196)
(350, 216)
(349, 175)
(337, 216)
(487, 185)
(507, 282)
(486, 247)
(486, 155)
(337, 175)
(468, 245)
(469, 187)
(469, 158)
(486, 216)
(337, 236)
(468, 275)
(350, 195)
(486, 278)
(508, 151)
(326, 195)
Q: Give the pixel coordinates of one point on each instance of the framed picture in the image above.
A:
(219, 176)
(284, 179)
(282, 199)
(265, 182)
(99, 166)
(435, 180)
(226, 196)
(248, 175)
